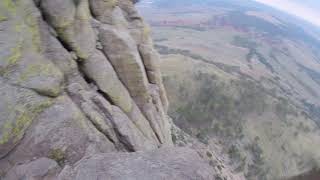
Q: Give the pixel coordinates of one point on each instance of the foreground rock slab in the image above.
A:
(162, 164)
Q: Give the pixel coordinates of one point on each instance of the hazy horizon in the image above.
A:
(307, 9)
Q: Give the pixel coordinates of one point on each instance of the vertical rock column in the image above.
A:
(107, 51)
(120, 35)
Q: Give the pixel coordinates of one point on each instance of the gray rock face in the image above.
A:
(123, 54)
(163, 164)
(18, 107)
(42, 168)
(71, 20)
(99, 70)
(79, 78)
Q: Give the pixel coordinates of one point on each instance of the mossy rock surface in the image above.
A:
(18, 108)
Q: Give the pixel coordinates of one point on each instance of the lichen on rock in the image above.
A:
(19, 107)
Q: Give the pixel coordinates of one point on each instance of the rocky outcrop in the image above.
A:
(177, 163)
(80, 83)
(42, 168)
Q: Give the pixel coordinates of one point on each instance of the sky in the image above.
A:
(308, 10)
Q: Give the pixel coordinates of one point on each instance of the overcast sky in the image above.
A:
(306, 9)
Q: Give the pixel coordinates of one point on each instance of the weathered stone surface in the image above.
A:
(166, 163)
(160, 113)
(18, 108)
(54, 50)
(129, 134)
(112, 122)
(23, 64)
(123, 55)
(151, 61)
(35, 72)
(61, 132)
(41, 169)
(130, 11)
(102, 9)
(118, 19)
(142, 123)
(139, 31)
(98, 69)
(71, 19)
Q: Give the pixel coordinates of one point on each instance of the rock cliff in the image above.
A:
(82, 95)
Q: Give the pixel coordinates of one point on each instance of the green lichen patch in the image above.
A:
(15, 54)
(18, 27)
(3, 18)
(9, 5)
(14, 130)
(38, 69)
(33, 29)
(58, 155)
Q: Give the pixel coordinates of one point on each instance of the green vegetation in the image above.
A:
(174, 138)
(253, 52)
(214, 110)
(209, 154)
(234, 153)
(257, 168)
(203, 137)
(244, 42)
(220, 109)
(283, 108)
(58, 155)
(166, 50)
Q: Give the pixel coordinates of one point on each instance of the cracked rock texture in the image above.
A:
(81, 95)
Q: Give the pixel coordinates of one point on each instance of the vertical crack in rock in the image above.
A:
(122, 52)
(151, 61)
